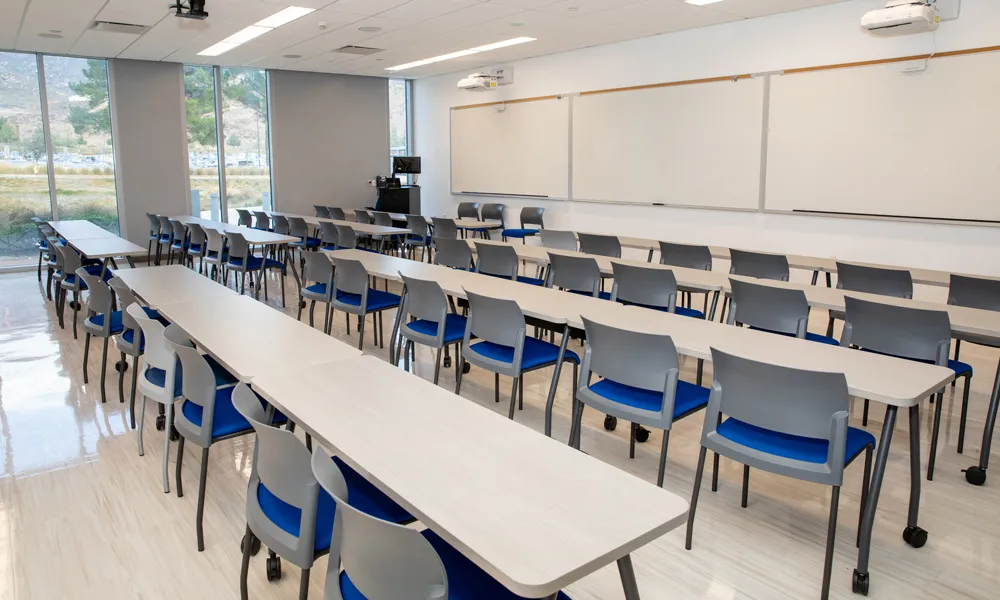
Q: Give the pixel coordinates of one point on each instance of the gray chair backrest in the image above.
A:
(263, 221)
(974, 292)
(685, 255)
(330, 235)
(197, 236)
(776, 309)
(903, 331)
(158, 354)
(245, 218)
(350, 276)
(362, 216)
(759, 265)
(417, 226)
(198, 387)
(559, 240)
(154, 223)
(444, 228)
(100, 301)
(319, 269)
(383, 560)
(641, 360)
(126, 299)
(321, 211)
(297, 227)
(790, 401)
(179, 230)
(574, 273)
(874, 280)
(337, 213)
(346, 238)
(452, 252)
(493, 211)
(424, 299)
(468, 210)
(654, 288)
(498, 321)
(496, 259)
(532, 215)
(602, 245)
(214, 241)
(165, 226)
(382, 219)
(281, 225)
(71, 261)
(238, 247)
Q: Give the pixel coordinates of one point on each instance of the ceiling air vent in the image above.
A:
(113, 27)
(358, 50)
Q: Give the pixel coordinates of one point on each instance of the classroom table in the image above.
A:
(92, 241)
(360, 228)
(170, 284)
(892, 381)
(80, 229)
(530, 511)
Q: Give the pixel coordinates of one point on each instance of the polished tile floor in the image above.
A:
(83, 516)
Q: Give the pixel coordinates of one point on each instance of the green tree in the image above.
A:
(249, 88)
(96, 116)
(199, 99)
(8, 131)
(233, 140)
(34, 146)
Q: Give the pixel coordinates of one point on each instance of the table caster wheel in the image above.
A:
(161, 421)
(254, 546)
(860, 583)
(641, 434)
(121, 366)
(610, 423)
(447, 362)
(273, 567)
(466, 368)
(915, 536)
(975, 475)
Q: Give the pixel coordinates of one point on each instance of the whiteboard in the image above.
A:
(875, 141)
(523, 150)
(692, 145)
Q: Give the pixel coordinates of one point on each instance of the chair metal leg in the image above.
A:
(513, 398)
(168, 424)
(406, 356)
(829, 327)
(496, 387)
(520, 393)
(361, 332)
(86, 355)
(663, 458)
(865, 483)
(965, 412)
(202, 482)
(576, 424)
(694, 496)
(631, 439)
(437, 365)
(304, 585)
(76, 310)
(312, 309)
(248, 538)
(131, 402)
(831, 537)
(298, 316)
(104, 370)
(180, 467)
(746, 485)
(121, 380)
(864, 416)
(458, 377)
(958, 347)
(142, 421)
(931, 459)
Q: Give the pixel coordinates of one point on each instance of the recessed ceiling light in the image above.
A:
(517, 24)
(369, 29)
(460, 53)
(702, 2)
(291, 56)
(282, 17)
(50, 36)
(55, 31)
(572, 9)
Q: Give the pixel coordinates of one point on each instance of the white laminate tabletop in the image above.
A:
(106, 247)
(170, 284)
(78, 230)
(530, 511)
(362, 228)
(253, 236)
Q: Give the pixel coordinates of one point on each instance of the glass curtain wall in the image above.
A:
(244, 131)
(203, 141)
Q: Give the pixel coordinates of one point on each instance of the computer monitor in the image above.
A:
(406, 164)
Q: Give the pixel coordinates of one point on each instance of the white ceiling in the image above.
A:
(410, 29)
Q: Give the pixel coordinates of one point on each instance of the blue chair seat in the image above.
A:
(960, 368)
(689, 312)
(377, 300)
(70, 279)
(273, 263)
(316, 288)
(253, 262)
(689, 397)
(466, 581)
(165, 237)
(415, 239)
(330, 247)
(116, 322)
(179, 246)
(309, 242)
(812, 337)
(601, 295)
(129, 334)
(454, 327)
(519, 233)
(361, 494)
(227, 419)
(536, 353)
(158, 377)
(194, 247)
(530, 280)
(215, 253)
(794, 447)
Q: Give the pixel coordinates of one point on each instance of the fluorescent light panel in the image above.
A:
(701, 2)
(460, 53)
(282, 17)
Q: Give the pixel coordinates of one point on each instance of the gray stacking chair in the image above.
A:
(286, 509)
(206, 415)
(444, 228)
(362, 216)
(419, 236)
(102, 321)
(329, 235)
(639, 382)
(559, 240)
(245, 218)
(280, 224)
(69, 281)
(262, 220)
(382, 219)
(346, 238)
(424, 319)
(216, 256)
(686, 255)
(352, 295)
(648, 287)
(897, 283)
(336, 213)
(44, 232)
(321, 211)
(317, 286)
(504, 347)
(178, 243)
(196, 245)
(298, 227)
(130, 342)
(155, 236)
(530, 215)
(452, 252)
(773, 309)
(785, 421)
(501, 261)
(491, 212)
(468, 210)
(911, 333)
(166, 236)
(242, 261)
(601, 245)
(576, 274)
(758, 264)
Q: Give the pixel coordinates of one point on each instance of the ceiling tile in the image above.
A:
(102, 43)
(11, 12)
(134, 12)
(759, 8)
(366, 7)
(530, 4)
(577, 8)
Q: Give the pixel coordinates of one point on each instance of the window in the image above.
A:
(398, 138)
(24, 181)
(203, 145)
(79, 112)
(245, 135)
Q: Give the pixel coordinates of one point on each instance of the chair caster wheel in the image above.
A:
(273, 567)
(121, 366)
(466, 368)
(447, 362)
(641, 434)
(915, 536)
(859, 585)
(302, 303)
(254, 546)
(174, 436)
(610, 423)
(975, 475)
(74, 305)
(161, 421)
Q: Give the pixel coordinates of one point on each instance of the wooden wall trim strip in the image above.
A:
(863, 63)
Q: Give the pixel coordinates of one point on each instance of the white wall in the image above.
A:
(818, 36)
(329, 136)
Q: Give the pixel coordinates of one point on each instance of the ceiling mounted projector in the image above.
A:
(478, 82)
(194, 9)
(901, 17)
